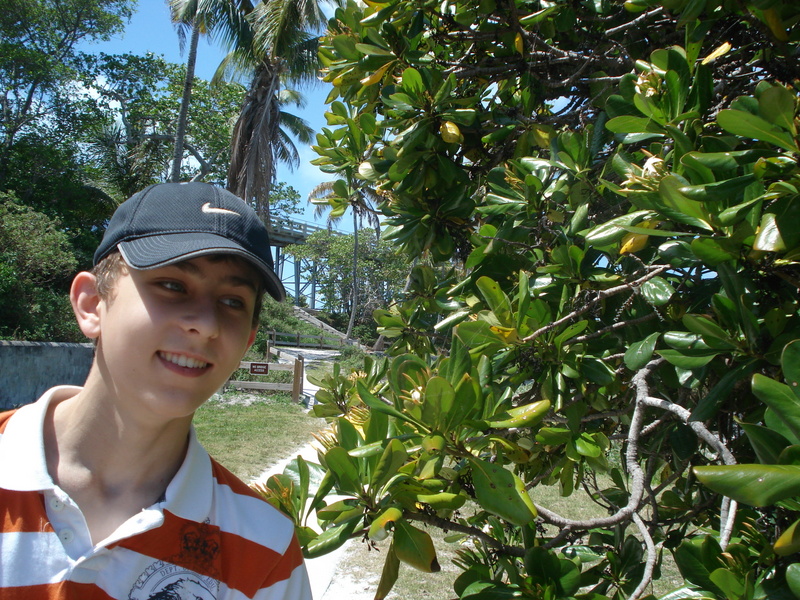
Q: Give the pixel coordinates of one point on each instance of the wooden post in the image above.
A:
(297, 381)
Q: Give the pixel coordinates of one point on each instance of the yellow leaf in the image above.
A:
(775, 24)
(451, 133)
(508, 334)
(633, 242)
(377, 75)
(519, 43)
(542, 135)
(720, 50)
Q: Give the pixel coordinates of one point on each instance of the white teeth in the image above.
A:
(183, 361)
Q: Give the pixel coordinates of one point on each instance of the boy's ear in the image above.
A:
(252, 337)
(86, 304)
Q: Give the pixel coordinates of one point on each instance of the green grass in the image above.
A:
(249, 439)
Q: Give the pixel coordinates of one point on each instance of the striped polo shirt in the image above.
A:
(211, 537)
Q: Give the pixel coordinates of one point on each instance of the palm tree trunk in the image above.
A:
(252, 167)
(183, 116)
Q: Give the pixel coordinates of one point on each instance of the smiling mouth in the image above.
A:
(183, 361)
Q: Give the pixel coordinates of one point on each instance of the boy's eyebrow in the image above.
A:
(193, 269)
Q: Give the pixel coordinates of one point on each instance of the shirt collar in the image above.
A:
(22, 444)
(188, 495)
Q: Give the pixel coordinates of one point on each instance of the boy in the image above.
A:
(105, 491)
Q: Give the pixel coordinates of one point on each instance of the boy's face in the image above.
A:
(168, 338)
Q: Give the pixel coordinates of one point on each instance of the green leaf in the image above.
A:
(613, 230)
(640, 353)
(708, 406)
(681, 208)
(712, 251)
(437, 402)
(793, 578)
(497, 301)
(688, 359)
(696, 558)
(596, 371)
(485, 590)
(751, 126)
(371, 50)
(344, 470)
(500, 492)
(375, 404)
(779, 398)
(412, 81)
(769, 238)
(525, 415)
(730, 584)
(414, 547)
(756, 485)
(330, 539)
(657, 291)
(477, 334)
(777, 105)
(378, 529)
(586, 446)
(631, 124)
(790, 362)
(389, 575)
(394, 456)
(707, 328)
(767, 443)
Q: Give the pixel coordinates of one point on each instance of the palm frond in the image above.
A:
(298, 127)
(285, 150)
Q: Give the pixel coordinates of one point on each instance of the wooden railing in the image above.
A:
(264, 368)
(307, 341)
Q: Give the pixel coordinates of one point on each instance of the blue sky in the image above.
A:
(150, 30)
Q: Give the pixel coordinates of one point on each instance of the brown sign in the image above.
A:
(259, 368)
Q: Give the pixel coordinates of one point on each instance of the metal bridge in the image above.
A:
(297, 276)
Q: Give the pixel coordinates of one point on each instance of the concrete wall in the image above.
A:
(28, 369)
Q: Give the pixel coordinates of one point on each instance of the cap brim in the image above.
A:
(167, 249)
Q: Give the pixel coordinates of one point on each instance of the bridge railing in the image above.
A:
(290, 226)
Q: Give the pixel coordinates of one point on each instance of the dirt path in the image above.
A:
(329, 575)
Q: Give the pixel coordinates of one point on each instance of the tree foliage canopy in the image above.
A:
(615, 190)
(380, 275)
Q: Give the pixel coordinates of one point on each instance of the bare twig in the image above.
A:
(447, 525)
(728, 510)
(650, 563)
(636, 22)
(601, 295)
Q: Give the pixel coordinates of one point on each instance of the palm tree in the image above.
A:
(275, 41)
(197, 27)
(331, 197)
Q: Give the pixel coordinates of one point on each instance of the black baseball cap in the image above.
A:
(167, 223)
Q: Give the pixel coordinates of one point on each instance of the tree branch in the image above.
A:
(447, 525)
(601, 295)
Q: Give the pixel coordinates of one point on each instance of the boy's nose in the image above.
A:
(203, 319)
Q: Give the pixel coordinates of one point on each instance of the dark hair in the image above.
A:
(109, 268)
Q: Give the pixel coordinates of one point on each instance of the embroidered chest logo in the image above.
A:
(179, 578)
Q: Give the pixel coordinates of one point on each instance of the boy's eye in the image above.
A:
(172, 286)
(233, 303)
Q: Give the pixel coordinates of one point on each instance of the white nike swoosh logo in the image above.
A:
(207, 208)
